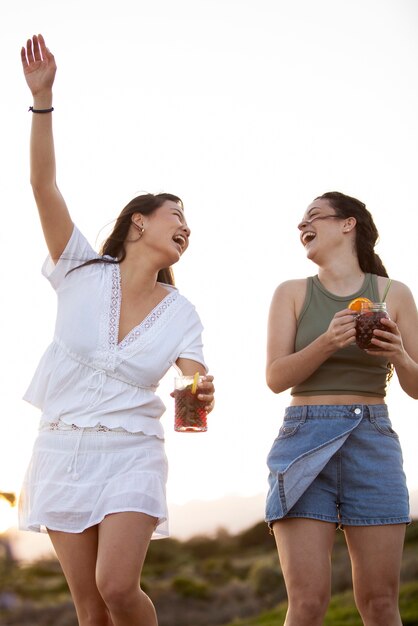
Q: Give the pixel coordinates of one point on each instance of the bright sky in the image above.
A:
(247, 110)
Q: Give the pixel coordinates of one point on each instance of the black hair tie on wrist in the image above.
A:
(41, 110)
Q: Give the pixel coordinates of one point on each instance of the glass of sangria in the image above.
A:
(367, 321)
(190, 415)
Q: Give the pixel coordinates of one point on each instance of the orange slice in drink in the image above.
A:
(355, 305)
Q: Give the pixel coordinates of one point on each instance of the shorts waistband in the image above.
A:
(353, 411)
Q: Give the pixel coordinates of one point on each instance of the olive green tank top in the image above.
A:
(349, 370)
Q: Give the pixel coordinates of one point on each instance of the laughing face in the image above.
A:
(166, 232)
(312, 227)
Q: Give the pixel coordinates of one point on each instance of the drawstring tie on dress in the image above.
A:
(96, 386)
(73, 461)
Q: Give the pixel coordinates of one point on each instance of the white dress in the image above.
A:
(100, 448)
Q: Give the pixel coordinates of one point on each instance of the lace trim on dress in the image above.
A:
(115, 302)
(145, 325)
(60, 425)
(148, 322)
(110, 354)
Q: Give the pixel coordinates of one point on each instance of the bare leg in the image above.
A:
(77, 553)
(376, 555)
(123, 544)
(305, 548)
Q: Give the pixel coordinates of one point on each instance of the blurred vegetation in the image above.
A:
(223, 580)
(342, 611)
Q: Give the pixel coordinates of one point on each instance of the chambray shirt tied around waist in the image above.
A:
(309, 437)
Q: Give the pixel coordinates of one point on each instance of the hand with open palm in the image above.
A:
(38, 66)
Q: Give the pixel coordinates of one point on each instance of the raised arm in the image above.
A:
(285, 367)
(39, 69)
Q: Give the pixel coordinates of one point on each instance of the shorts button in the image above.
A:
(357, 411)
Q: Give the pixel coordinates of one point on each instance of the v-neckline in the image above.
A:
(115, 311)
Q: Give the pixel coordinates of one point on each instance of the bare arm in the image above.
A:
(285, 367)
(39, 69)
(401, 339)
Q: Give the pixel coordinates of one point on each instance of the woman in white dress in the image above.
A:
(96, 481)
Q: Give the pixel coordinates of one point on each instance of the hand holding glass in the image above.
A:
(367, 321)
(190, 412)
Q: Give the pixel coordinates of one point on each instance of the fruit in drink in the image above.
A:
(356, 304)
(190, 414)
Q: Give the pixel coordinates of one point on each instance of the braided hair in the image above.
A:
(366, 237)
(366, 231)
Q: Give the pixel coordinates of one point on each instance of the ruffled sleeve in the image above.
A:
(77, 251)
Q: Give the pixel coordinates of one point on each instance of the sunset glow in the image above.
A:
(247, 110)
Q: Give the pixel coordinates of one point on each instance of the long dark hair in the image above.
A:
(114, 246)
(366, 237)
(366, 231)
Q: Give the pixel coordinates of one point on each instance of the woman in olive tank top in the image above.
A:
(337, 462)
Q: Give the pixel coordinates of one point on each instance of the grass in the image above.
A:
(342, 611)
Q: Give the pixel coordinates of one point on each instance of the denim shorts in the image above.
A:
(345, 463)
